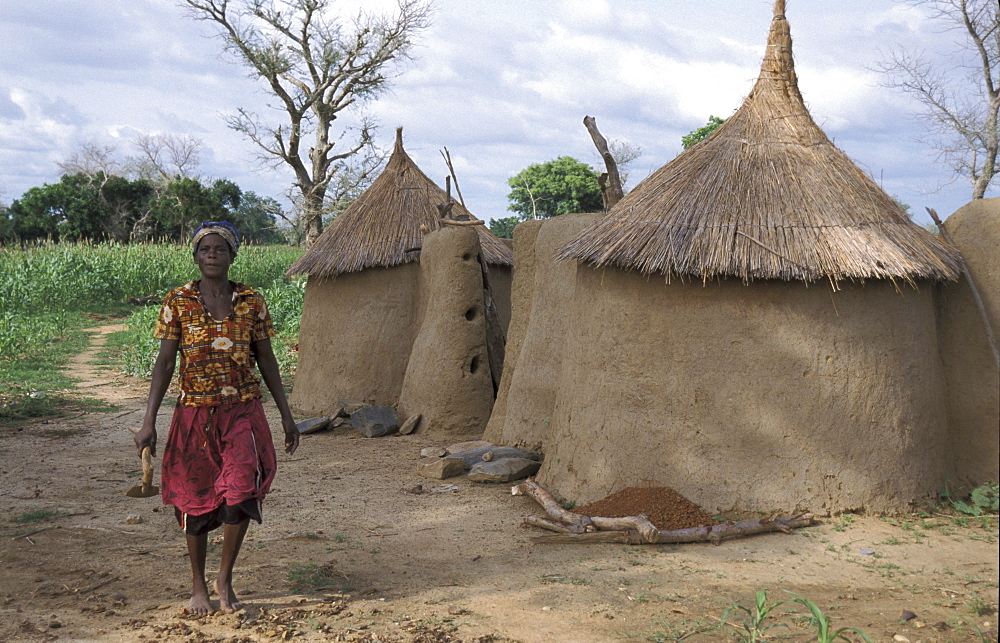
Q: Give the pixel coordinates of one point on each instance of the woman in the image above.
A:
(219, 460)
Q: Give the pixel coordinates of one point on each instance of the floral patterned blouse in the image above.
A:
(217, 360)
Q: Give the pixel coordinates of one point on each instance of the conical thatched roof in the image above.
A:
(767, 196)
(383, 224)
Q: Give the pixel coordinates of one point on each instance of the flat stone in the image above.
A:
(375, 421)
(133, 519)
(410, 425)
(472, 456)
(468, 445)
(504, 470)
(313, 425)
(441, 468)
(433, 452)
(350, 406)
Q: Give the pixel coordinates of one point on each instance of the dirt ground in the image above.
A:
(348, 553)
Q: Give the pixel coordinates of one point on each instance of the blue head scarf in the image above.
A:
(224, 229)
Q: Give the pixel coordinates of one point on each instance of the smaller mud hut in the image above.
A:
(744, 328)
(366, 298)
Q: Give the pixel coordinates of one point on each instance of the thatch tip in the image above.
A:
(779, 8)
(399, 138)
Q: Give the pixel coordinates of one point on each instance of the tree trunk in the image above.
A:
(611, 187)
(312, 214)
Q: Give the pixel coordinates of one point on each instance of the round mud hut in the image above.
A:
(971, 365)
(364, 300)
(753, 325)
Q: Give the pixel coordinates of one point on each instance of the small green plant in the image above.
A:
(845, 521)
(984, 499)
(37, 515)
(551, 579)
(752, 621)
(978, 605)
(824, 629)
(566, 504)
(310, 576)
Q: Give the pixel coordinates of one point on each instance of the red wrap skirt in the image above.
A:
(217, 455)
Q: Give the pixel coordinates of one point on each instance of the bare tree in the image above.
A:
(624, 153)
(164, 156)
(92, 158)
(317, 67)
(960, 104)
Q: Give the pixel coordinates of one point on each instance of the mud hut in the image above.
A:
(364, 302)
(753, 325)
(970, 365)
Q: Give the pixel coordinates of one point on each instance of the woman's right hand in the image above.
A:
(146, 437)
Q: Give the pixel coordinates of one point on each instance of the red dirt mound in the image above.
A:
(664, 507)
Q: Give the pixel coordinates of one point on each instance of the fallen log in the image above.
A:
(551, 506)
(636, 530)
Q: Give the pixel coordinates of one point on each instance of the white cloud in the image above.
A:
(501, 84)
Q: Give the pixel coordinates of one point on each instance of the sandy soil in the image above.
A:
(348, 553)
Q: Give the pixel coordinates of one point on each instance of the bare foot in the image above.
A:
(228, 602)
(200, 604)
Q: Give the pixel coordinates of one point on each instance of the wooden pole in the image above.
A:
(611, 187)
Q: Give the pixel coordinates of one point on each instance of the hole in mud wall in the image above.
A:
(470, 314)
(467, 256)
(474, 364)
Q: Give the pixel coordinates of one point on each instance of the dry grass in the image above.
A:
(382, 227)
(767, 196)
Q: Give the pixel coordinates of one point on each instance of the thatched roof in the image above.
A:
(382, 227)
(767, 196)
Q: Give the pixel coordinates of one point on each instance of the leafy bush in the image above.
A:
(982, 500)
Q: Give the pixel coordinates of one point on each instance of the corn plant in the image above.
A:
(40, 285)
(753, 621)
(824, 629)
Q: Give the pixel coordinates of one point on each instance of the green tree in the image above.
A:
(255, 218)
(697, 136)
(82, 206)
(504, 226)
(556, 187)
(184, 203)
(67, 210)
(6, 225)
(125, 204)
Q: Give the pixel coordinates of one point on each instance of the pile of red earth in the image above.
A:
(664, 507)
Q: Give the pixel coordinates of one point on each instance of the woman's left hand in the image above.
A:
(291, 436)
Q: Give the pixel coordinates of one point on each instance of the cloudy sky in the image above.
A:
(500, 83)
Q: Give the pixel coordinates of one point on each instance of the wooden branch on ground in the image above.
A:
(611, 189)
(544, 498)
(635, 530)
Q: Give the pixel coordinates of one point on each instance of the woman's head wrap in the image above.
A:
(224, 229)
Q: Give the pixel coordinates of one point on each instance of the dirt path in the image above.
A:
(347, 554)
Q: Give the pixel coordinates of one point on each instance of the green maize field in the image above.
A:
(47, 291)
